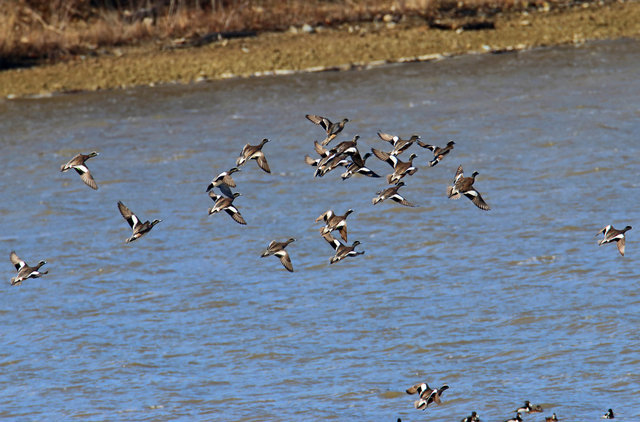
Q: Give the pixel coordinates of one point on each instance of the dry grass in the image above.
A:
(35, 30)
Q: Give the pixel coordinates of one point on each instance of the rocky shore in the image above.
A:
(315, 49)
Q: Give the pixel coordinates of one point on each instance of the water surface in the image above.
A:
(518, 303)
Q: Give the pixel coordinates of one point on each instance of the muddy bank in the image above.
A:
(342, 47)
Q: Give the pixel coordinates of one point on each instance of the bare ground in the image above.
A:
(343, 47)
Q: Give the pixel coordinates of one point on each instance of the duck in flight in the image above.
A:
(224, 182)
(78, 164)
(138, 228)
(25, 271)
(254, 152)
(612, 234)
(331, 128)
(278, 249)
(464, 185)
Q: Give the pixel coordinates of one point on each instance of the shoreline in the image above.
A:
(346, 47)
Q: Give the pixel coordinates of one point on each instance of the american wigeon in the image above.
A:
(438, 153)
(392, 193)
(357, 165)
(332, 129)
(224, 203)
(342, 251)
(277, 249)
(139, 229)
(254, 152)
(25, 271)
(464, 185)
(399, 144)
(224, 182)
(427, 394)
(614, 235)
(78, 164)
(400, 168)
(334, 222)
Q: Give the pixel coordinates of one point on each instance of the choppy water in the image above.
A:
(189, 323)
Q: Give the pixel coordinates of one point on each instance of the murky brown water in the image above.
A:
(189, 323)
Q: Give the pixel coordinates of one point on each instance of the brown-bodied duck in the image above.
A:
(438, 153)
(427, 394)
(139, 228)
(400, 168)
(399, 144)
(332, 129)
(342, 251)
(224, 182)
(224, 203)
(357, 165)
(278, 249)
(78, 164)
(334, 222)
(464, 185)
(392, 193)
(612, 234)
(552, 418)
(254, 152)
(25, 271)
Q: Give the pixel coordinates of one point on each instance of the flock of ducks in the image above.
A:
(347, 155)
(428, 395)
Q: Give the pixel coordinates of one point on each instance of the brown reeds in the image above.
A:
(35, 30)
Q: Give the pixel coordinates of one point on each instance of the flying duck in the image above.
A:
(553, 418)
(342, 251)
(392, 193)
(464, 185)
(529, 408)
(224, 181)
(427, 395)
(334, 222)
(518, 418)
(277, 249)
(357, 165)
(25, 271)
(223, 203)
(614, 235)
(400, 168)
(472, 418)
(77, 163)
(332, 129)
(438, 153)
(336, 156)
(608, 415)
(399, 145)
(139, 229)
(254, 152)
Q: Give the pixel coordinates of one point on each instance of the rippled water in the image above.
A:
(189, 323)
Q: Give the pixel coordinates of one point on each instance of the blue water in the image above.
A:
(189, 323)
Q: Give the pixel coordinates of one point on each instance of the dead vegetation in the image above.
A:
(35, 31)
